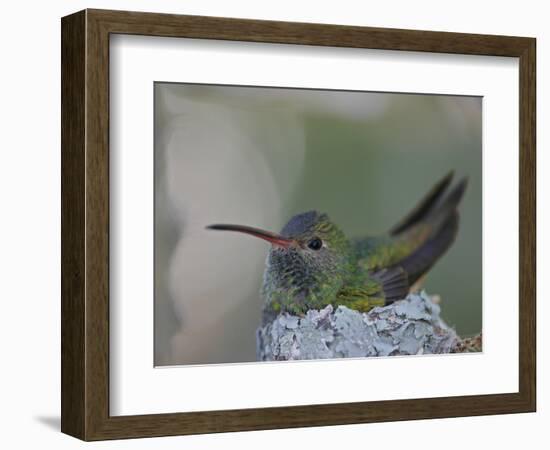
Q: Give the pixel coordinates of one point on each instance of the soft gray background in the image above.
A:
(257, 156)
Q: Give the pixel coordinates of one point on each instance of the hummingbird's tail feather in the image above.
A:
(422, 260)
(425, 207)
(442, 223)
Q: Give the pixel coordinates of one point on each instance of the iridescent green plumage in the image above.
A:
(312, 263)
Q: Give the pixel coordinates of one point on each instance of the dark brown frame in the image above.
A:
(85, 224)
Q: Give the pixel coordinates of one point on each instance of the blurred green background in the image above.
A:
(257, 156)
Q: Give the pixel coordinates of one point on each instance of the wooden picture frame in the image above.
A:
(85, 224)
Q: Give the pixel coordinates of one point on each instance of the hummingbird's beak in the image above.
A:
(274, 239)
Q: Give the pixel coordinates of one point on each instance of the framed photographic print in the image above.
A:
(267, 224)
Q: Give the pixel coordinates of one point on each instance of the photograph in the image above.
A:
(307, 224)
(279, 222)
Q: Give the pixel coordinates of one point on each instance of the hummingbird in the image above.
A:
(311, 263)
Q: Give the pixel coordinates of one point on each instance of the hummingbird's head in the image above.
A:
(308, 259)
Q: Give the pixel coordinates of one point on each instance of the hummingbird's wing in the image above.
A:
(380, 288)
(394, 283)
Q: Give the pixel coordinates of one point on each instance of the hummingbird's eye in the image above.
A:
(315, 244)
